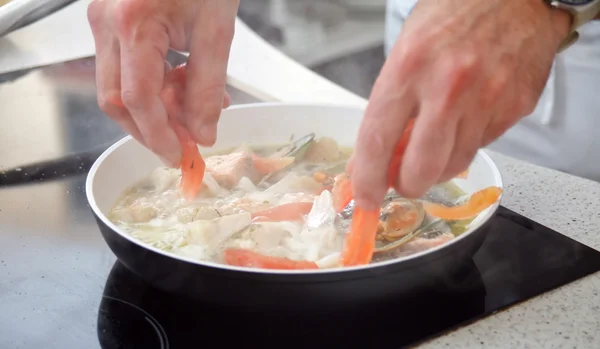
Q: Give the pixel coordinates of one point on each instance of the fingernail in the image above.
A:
(167, 162)
(208, 134)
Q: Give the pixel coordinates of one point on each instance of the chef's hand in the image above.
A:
(467, 70)
(132, 39)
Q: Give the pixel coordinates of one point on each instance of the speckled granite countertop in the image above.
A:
(568, 317)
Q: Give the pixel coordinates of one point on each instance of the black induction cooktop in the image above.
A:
(519, 259)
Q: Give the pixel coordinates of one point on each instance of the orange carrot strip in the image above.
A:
(360, 241)
(251, 259)
(192, 163)
(193, 166)
(287, 212)
(476, 203)
(342, 192)
(267, 165)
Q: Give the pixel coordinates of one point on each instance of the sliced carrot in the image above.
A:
(476, 203)
(251, 259)
(193, 166)
(287, 212)
(360, 240)
(192, 163)
(267, 165)
(464, 174)
(342, 192)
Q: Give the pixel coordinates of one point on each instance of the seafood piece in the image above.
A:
(286, 212)
(297, 197)
(163, 178)
(322, 212)
(323, 150)
(214, 232)
(478, 202)
(141, 210)
(342, 192)
(229, 169)
(251, 259)
(294, 183)
(246, 185)
(283, 158)
(268, 165)
(187, 214)
(434, 227)
(243, 204)
(400, 218)
(297, 148)
(321, 177)
(420, 244)
(267, 236)
(191, 251)
(206, 213)
(160, 238)
(330, 261)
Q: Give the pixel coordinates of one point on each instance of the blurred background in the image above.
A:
(50, 116)
(339, 39)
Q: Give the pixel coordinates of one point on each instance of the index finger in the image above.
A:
(390, 107)
(207, 68)
(143, 52)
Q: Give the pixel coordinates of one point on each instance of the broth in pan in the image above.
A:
(280, 207)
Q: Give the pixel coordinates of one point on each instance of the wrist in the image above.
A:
(561, 23)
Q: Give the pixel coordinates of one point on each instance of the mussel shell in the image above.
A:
(431, 228)
(410, 205)
(296, 148)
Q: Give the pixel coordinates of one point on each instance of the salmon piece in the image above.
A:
(286, 212)
(268, 165)
(247, 258)
(228, 169)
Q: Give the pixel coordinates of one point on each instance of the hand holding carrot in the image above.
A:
(132, 39)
